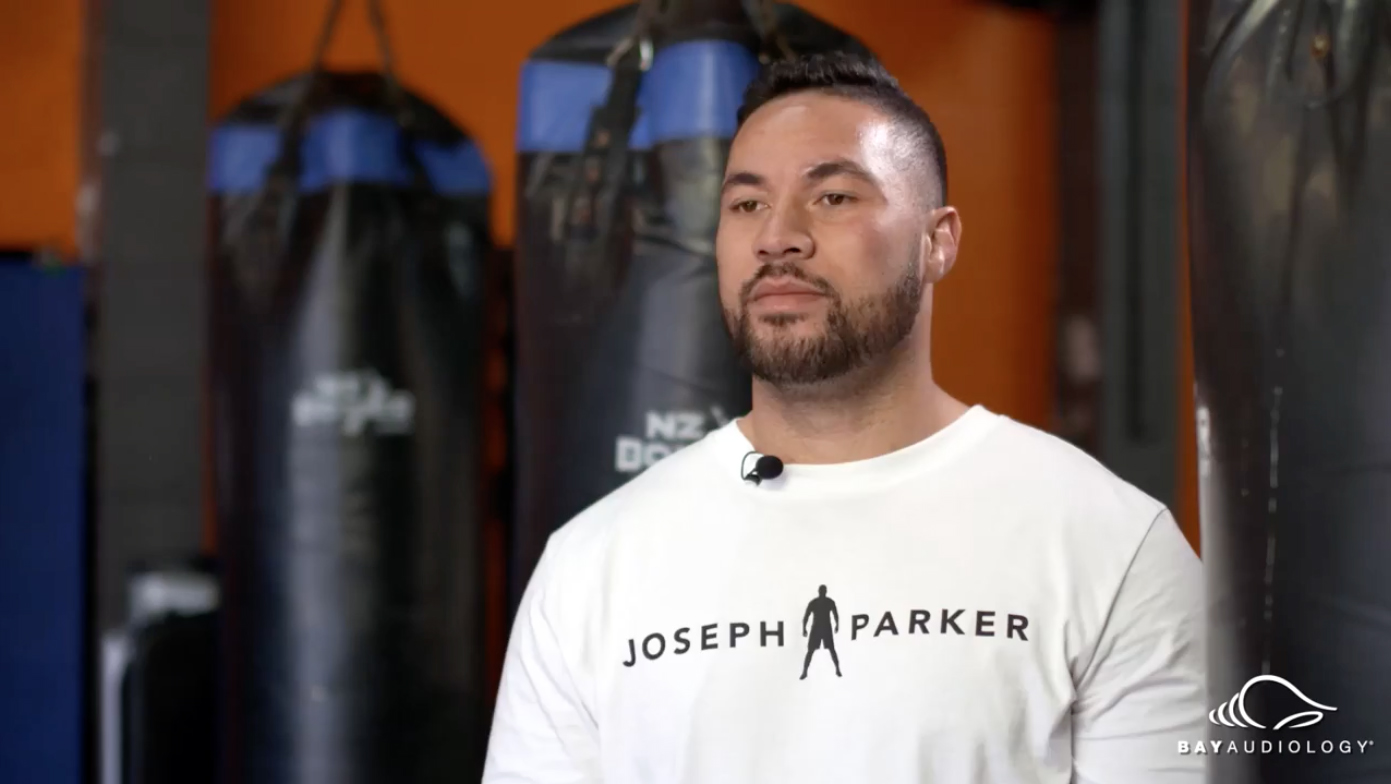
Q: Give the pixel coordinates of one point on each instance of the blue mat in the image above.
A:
(42, 523)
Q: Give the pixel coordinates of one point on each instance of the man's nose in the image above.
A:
(783, 236)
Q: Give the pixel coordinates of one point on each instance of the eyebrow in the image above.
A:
(821, 171)
(738, 178)
(839, 167)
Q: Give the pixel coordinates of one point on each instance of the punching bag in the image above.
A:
(1290, 152)
(621, 352)
(350, 223)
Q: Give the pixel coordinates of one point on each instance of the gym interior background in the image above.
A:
(1069, 309)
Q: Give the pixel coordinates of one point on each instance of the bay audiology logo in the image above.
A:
(1235, 713)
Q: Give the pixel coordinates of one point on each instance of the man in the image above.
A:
(1016, 612)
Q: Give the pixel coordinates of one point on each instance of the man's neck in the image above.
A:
(857, 419)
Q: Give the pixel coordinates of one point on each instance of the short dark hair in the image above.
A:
(860, 78)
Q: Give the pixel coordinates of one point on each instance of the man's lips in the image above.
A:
(780, 289)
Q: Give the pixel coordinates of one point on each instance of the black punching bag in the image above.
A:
(350, 226)
(1290, 192)
(622, 355)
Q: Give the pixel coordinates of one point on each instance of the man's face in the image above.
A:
(821, 239)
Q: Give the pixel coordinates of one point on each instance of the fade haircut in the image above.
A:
(859, 78)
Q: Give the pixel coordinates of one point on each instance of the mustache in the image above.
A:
(785, 271)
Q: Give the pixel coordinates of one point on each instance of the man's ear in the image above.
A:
(941, 242)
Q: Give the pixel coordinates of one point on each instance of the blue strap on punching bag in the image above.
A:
(343, 146)
(692, 90)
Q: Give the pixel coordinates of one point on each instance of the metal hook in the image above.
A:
(624, 46)
(645, 53)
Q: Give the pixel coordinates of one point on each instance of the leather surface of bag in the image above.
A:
(624, 128)
(1290, 192)
(348, 337)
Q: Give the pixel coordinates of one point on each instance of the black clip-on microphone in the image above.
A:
(765, 467)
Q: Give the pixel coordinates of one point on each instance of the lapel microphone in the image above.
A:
(765, 467)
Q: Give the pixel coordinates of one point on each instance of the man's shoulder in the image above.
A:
(582, 550)
(1042, 459)
(644, 497)
(1093, 523)
(1069, 491)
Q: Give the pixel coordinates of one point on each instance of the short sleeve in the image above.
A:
(542, 733)
(1144, 690)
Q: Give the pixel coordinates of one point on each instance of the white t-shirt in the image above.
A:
(1001, 608)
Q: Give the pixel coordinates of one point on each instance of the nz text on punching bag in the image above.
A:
(347, 370)
(622, 355)
(1290, 151)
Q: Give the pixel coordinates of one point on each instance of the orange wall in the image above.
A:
(985, 73)
(1186, 505)
(40, 80)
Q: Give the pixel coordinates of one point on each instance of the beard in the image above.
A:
(855, 334)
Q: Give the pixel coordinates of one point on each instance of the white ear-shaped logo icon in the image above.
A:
(1232, 713)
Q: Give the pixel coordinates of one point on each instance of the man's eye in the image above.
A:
(837, 199)
(744, 206)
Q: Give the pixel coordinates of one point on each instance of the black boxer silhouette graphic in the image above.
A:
(825, 622)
